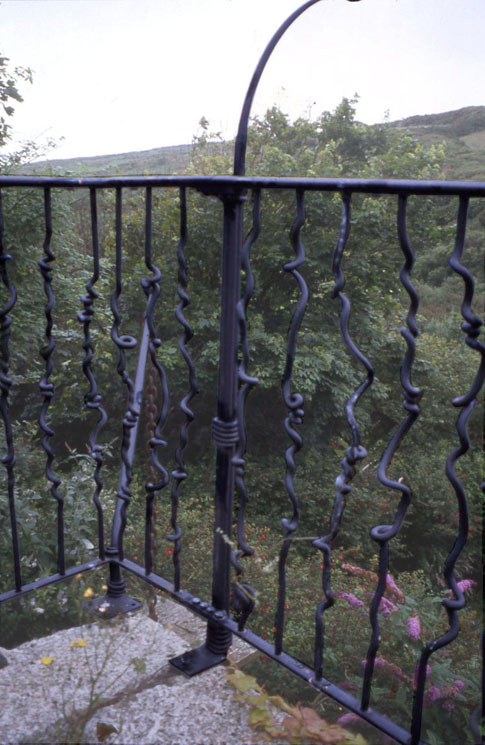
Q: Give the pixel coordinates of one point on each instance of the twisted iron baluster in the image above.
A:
(122, 342)
(294, 402)
(382, 534)
(46, 387)
(151, 288)
(471, 327)
(93, 398)
(355, 451)
(179, 474)
(243, 596)
(9, 460)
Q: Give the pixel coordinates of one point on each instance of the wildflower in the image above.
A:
(79, 642)
(380, 663)
(459, 684)
(466, 584)
(47, 660)
(169, 551)
(351, 599)
(433, 694)
(448, 705)
(104, 587)
(386, 607)
(39, 610)
(78, 576)
(393, 588)
(413, 627)
(262, 536)
(88, 593)
(348, 718)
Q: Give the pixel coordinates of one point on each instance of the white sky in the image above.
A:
(120, 75)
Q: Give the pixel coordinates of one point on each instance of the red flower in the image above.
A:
(262, 536)
(169, 552)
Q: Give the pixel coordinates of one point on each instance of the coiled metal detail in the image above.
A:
(93, 398)
(46, 387)
(243, 595)
(382, 534)
(355, 452)
(122, 342)
(456, 599)
(9, 459)
(294, 402)
(151, 288)
(180, 474)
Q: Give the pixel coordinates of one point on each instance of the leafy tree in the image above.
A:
(9, 92)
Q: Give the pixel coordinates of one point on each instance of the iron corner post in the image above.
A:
(225, 436)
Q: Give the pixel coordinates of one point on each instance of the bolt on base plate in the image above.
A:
(197, 660)
(106, 607)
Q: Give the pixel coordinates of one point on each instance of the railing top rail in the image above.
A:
(222, 184)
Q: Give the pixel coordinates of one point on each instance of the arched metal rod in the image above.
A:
(242, 132)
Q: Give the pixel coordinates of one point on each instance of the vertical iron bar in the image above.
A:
(46, 387)
(355, 452)
(243, 595)
(225, 425)
(151, 288)
(93, 397)
(294, 403)
(180, 474)
(382, 534)
(9, 459)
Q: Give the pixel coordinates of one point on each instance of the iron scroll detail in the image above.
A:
(355, 452)
(294, 402)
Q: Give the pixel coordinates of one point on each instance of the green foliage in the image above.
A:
(9, 93)
(325, 374)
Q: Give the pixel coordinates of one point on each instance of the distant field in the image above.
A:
(461, 131)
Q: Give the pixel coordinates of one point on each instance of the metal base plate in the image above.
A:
(196, 661)
(107, 607)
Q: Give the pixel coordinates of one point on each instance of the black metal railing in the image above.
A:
(228, 611)
(229, 608)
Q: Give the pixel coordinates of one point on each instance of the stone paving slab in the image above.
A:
(120, 667)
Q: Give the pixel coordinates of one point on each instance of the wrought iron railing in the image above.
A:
(229, 609)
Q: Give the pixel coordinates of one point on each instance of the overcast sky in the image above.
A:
(119, 75)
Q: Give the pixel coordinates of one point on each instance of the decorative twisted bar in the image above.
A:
(46, 387)
(180, 474)
(151, 288)
(355, 451)
(9, 459)
(382, 534)
(243, 596)
(122, 342)
(93, 397)
(294, 402)
(470, 327)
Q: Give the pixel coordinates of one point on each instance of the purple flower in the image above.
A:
(413, 627)
(466, 584)
(448, 705)
(348, 718)
(386, 607)
(458, 684)
(351, 599)
(392, 587)
(433, 694)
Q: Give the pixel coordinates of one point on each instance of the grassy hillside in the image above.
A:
(462, 131)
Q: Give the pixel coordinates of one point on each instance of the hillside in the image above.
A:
(462, 131)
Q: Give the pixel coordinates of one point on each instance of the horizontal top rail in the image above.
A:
(229, 184)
